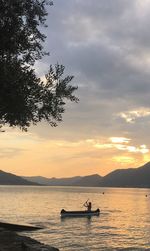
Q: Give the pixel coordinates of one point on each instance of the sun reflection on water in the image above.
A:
(123, 222)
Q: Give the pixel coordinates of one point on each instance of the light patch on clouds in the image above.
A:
(132, 149)
(132, 116)
(115, 142)
(119, 140)
(123, 159)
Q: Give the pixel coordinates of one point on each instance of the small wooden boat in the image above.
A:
(85, 213)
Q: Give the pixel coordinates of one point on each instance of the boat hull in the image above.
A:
(86, 213)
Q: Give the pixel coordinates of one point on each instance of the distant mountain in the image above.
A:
(132, 177)
(90, 180)
(53, 181)
(11, 179)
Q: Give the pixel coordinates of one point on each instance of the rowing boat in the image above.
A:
(86, 213)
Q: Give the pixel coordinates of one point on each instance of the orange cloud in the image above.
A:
(26, 154)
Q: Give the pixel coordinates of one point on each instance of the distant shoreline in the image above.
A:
(19, 185)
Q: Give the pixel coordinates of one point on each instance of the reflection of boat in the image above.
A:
(65, 213)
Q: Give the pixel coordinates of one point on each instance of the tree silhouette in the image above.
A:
(24, 98)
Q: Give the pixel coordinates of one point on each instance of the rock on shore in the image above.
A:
(11, 241)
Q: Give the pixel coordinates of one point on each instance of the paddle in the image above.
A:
(85, 203)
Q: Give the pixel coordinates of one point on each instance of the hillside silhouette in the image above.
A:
(131, 177)
(11, 179)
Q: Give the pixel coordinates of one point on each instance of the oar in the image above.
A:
(85, 202)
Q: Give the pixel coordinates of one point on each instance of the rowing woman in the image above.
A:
(88, 205)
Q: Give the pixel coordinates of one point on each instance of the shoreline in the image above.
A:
(10, 240)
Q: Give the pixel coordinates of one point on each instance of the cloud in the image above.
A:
(124, 159)
(119, 143)
(116, 143)
(119, 140)
(105, 45)
(132, 116)
(133, 149)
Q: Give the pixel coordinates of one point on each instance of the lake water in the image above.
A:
(124, 222)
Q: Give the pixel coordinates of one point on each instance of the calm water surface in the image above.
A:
(124, 223)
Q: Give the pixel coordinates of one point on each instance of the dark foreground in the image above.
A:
(11, 241)
(17, 227)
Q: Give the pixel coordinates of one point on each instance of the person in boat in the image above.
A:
(88, 205)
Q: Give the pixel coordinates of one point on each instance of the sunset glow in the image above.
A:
(28, 154)
(106, 47)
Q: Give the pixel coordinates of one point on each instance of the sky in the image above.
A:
(106, 46)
